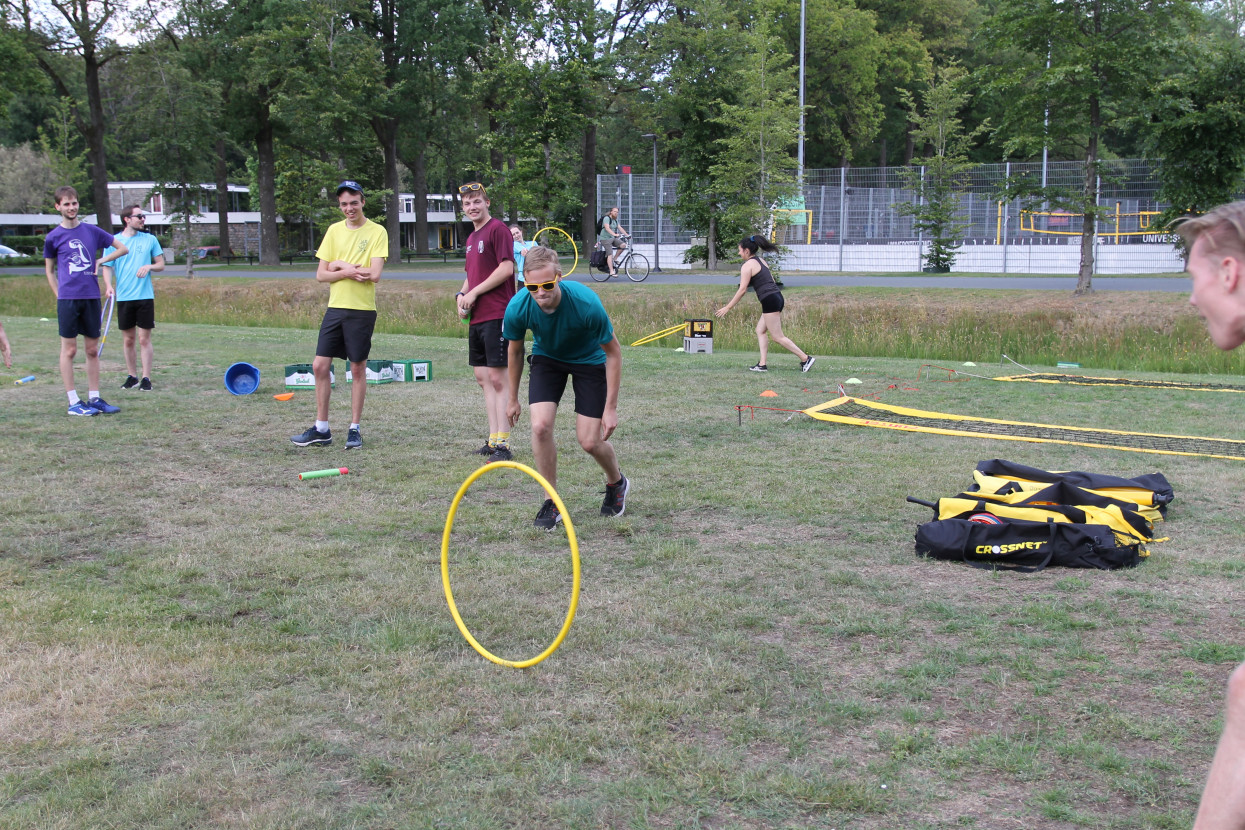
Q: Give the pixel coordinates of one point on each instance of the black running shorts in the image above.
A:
(547, 381)
(74, 317)
(486, 346)
(773, 303)
(346, 333)
(131, 313)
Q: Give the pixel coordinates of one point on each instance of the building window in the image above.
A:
(408, 204)
(156, 205)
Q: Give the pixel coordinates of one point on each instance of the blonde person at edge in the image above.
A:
(352, 258)
(1216, 264)
(572, 339)
(755, 272)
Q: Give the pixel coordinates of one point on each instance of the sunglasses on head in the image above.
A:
(536, 286)
(470, 187)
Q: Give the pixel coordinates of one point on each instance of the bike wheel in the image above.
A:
(636, 267)
(597, 274)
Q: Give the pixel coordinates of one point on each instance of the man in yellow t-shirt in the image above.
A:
(352, 257)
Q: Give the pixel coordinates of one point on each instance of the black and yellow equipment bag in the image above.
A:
(1023, 545)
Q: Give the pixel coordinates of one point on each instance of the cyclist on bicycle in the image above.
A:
(612, 237)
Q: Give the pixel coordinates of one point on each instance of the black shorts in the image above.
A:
(75, 317)
(547, 381)
(773, 304)
(485, 345)
(346, 333)
(131, 313)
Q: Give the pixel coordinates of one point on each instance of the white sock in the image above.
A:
(92, 395)
(73, 397)
(322, 426)
(354, 426)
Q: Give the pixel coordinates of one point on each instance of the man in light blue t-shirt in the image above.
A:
(136, 300)
(572, 338)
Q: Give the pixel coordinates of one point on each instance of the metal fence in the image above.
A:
(849, 219)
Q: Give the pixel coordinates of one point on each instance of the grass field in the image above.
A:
(194, 638)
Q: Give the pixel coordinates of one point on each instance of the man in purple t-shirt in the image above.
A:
(483, 298)
(70, 261)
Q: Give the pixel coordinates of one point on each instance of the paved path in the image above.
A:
(672, 277)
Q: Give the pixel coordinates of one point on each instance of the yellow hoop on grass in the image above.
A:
(574, 247)
(659, 335)
(445, 565)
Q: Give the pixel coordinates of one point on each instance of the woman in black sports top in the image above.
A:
(756, 273)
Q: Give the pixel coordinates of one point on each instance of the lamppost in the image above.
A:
(656, 209)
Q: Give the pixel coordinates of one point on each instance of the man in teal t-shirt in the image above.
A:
(136, 299)
(572, 337)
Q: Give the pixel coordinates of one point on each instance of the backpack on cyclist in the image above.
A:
(600, 222)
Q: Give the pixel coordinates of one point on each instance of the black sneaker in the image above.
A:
(354, 441)
(548, 518)
(805, 365)
(145, 386)
(313, 436)
(501, 454)
(760, 367)
(615, 503)
(130, 382)
(487, 449)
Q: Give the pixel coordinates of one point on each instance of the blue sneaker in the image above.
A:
(102, 406)
(81, 408)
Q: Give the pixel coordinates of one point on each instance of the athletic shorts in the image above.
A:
(485, 345)
(346, 333)
(75, 317)
(131, 313)
(773, 303)
(547, 381)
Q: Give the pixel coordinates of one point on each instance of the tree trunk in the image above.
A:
(222, 198)
(1089, 198)
(419, 172)
(96, 158)
(269, 247)
(588, 186)
(711, 244)
(386, 130)
(882, 152)
(497, 164)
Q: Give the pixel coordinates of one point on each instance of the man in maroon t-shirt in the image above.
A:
(483, 298)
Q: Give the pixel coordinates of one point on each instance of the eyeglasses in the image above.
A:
(138, 216)
(536, 286)
(470, 187)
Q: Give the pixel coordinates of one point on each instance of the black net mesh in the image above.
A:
(1081, 380)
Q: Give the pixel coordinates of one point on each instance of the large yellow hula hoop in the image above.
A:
(659, 335)
(445, 565)
(574, 248)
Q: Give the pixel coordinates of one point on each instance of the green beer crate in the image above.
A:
(412, 371)
(378, 371)
(300, 376)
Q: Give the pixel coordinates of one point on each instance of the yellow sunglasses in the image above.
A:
(548, 286)
(470, 187)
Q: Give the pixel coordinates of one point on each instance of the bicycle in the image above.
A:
(634, 265)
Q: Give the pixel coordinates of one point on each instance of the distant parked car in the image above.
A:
(6, 251)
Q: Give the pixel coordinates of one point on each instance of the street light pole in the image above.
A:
(656, 208)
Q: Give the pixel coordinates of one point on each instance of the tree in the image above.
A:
(937, 182)
(78, 28)
(28, 176)
(754, 168)
(1196, 126)
(179, 118)
(1076, 63)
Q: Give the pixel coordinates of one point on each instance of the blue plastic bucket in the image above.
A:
(241, 379)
